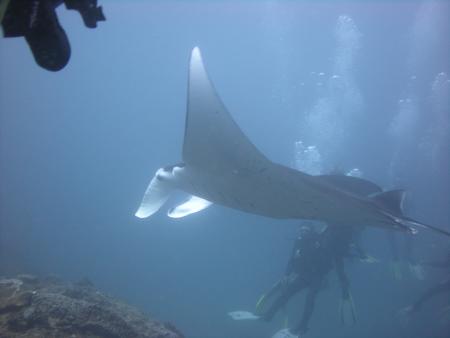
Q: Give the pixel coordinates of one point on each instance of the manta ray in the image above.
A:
(220, 165)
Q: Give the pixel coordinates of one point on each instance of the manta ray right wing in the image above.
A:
(212, 140)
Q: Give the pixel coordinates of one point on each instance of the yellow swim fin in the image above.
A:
(347, 310)
(260, 302)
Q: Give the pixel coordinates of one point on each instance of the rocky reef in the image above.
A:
(50, 307)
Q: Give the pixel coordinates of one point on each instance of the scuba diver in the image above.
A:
(442, 287)
(407, 256)
(313, 256)
(37, 22)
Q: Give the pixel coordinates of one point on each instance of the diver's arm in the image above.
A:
(357, 252)
(289, 267)
(290, 264)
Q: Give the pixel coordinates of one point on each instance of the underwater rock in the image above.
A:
(50, 307)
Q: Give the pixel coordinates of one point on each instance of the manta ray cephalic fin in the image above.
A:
(155, 196)
(192, 205)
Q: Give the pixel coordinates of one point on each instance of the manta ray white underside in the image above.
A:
(220, 165)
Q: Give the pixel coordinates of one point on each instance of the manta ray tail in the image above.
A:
(392, 201)
(157, 193)
(411, 222)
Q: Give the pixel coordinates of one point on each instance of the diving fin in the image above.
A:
(369, 259)
(260, 302)
(347, 311)
(284, 333)
(243, 315)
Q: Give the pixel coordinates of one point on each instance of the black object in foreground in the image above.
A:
(37, 22)
(50, 307)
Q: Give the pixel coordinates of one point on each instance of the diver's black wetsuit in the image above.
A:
(408, 254)
(312, 258)
(37, 22)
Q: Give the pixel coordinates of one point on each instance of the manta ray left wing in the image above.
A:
(212, 140)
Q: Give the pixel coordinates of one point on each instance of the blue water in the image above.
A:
(78, 147)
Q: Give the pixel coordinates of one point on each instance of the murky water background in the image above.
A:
(315, 85)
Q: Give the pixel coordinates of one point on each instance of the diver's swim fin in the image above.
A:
(260, 302)
(284, 333)
(243, 315)
(369, 259)
(347, 311)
